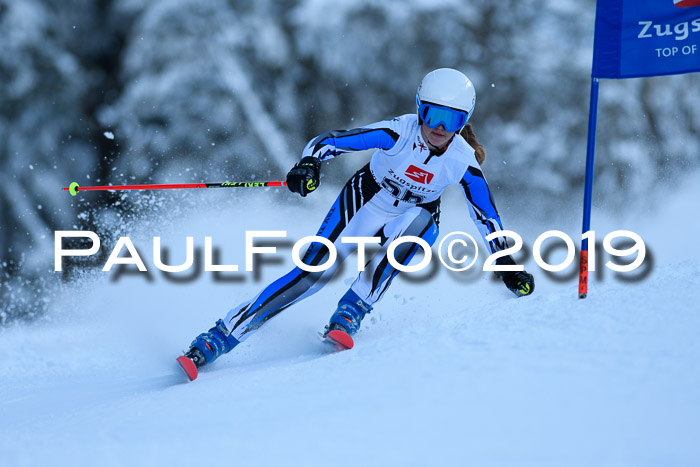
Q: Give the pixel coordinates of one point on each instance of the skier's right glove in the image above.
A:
(521, 283)
(304, 176)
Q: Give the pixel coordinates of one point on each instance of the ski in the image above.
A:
(340, 339)
(188, 367)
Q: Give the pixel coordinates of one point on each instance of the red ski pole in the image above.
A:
(74, 188)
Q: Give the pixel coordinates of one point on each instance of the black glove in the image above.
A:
(304, 176)
(521, 283)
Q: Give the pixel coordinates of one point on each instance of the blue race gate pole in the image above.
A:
(588, 189)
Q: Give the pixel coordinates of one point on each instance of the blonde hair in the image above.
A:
(479, 151)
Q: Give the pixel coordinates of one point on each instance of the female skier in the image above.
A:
(396, 194)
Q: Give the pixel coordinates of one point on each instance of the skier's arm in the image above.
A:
(380, 135)
(482, 208)
(485, 215)
(305, 175)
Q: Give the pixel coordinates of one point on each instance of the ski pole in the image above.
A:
(74, 187)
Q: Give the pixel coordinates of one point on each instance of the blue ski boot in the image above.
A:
(210, 345)
(346, 320)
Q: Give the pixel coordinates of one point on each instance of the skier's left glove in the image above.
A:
(304, 176)
(521, 283)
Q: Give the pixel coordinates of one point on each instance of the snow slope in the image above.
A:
(446, 370)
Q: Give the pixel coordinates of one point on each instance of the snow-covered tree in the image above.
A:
(230, 89)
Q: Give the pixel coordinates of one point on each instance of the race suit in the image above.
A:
(396, 194)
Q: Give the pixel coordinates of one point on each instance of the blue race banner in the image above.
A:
(637, 38)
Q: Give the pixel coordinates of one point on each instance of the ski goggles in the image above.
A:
(435, 115)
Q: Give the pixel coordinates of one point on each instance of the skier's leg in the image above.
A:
(353, 214)
(375, 279)
(348, 216)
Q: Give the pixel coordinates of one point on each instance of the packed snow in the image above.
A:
(449, 369)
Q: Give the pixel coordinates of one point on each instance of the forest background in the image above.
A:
(177, 91)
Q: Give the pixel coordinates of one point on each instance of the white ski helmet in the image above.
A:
(449, 88)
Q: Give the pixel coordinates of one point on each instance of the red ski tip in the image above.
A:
(341, 339)
(188, 367)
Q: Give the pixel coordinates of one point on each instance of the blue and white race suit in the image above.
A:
(396, 194)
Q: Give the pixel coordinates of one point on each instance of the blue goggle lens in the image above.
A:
(435, 115)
